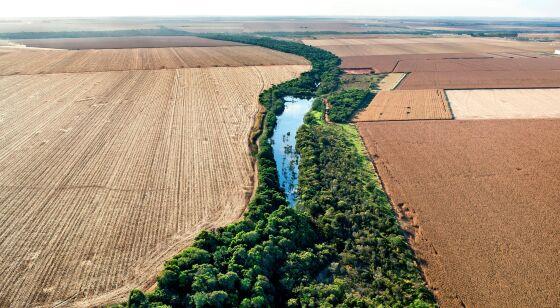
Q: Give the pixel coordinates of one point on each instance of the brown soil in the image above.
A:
(104, 176)
(481, 80)
(79, 61)
(125, 42)
(480, 200)
(492, 64)
(406, 105)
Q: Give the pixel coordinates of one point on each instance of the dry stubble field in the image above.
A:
(406, 105)
(105, 175)
(79, 61)
(505, 103)
(125, 42)
(427, 45)
(480, 200)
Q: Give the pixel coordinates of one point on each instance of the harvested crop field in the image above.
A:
(428, 45)
(481, 80)
(79, 61)
(505, 103)
(125, 42)
(480, 200)
(104, 176)
(406, 105)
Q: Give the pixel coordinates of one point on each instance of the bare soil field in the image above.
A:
(505, 103)
(481, 80)
(388, 63)
(78, 61)
(104, 176)
(391, 81)
(480, 201)
(428, 45)
(125, 42)
(488, 64)
(406, 105)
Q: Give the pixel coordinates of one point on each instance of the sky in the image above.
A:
(456, 8)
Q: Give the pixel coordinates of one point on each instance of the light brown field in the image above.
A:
(406, 105)
(481, 80)
(390, 81)
(79, 61)
(104, 176)
(125, 42)
(505, 103)
(480, 201)
(432, 45)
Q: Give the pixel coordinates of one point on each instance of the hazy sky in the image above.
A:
(66, 8)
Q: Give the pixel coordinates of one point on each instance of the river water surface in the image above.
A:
(284, 143)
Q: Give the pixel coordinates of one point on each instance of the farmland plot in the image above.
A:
(103, 176)
(413, 45)
(406, 105)
(78, 61)
(480, 201)
(505, 103)
(125, 42)
(481, 80)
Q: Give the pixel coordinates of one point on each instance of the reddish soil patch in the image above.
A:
(481, 80)
(125, 42)
(481, 202)
(400, 63)
(358, 71)
(488, 64)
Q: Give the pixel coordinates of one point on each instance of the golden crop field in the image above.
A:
(104, 176)
(406, 105)
(100, 60)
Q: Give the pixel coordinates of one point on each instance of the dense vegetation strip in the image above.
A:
(341, 246)
(344, 104)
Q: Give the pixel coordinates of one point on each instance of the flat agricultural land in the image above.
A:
(105, 175)
(79, 61)
(125, 42)
(481, 202)
(428, 45)
(391, 81)
(505, 103)
(480, 80)
(487, 64)
(406, 105)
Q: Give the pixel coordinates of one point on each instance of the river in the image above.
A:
(284, 142)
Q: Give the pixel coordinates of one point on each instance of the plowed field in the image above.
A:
(481, 201)
(125, 42)
(488, 64)
(103, 176)
(481, 80)
(406, 105)
(78, 61)
(505, 103)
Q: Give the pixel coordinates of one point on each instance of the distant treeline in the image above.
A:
(161, 31)
(342, 244)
